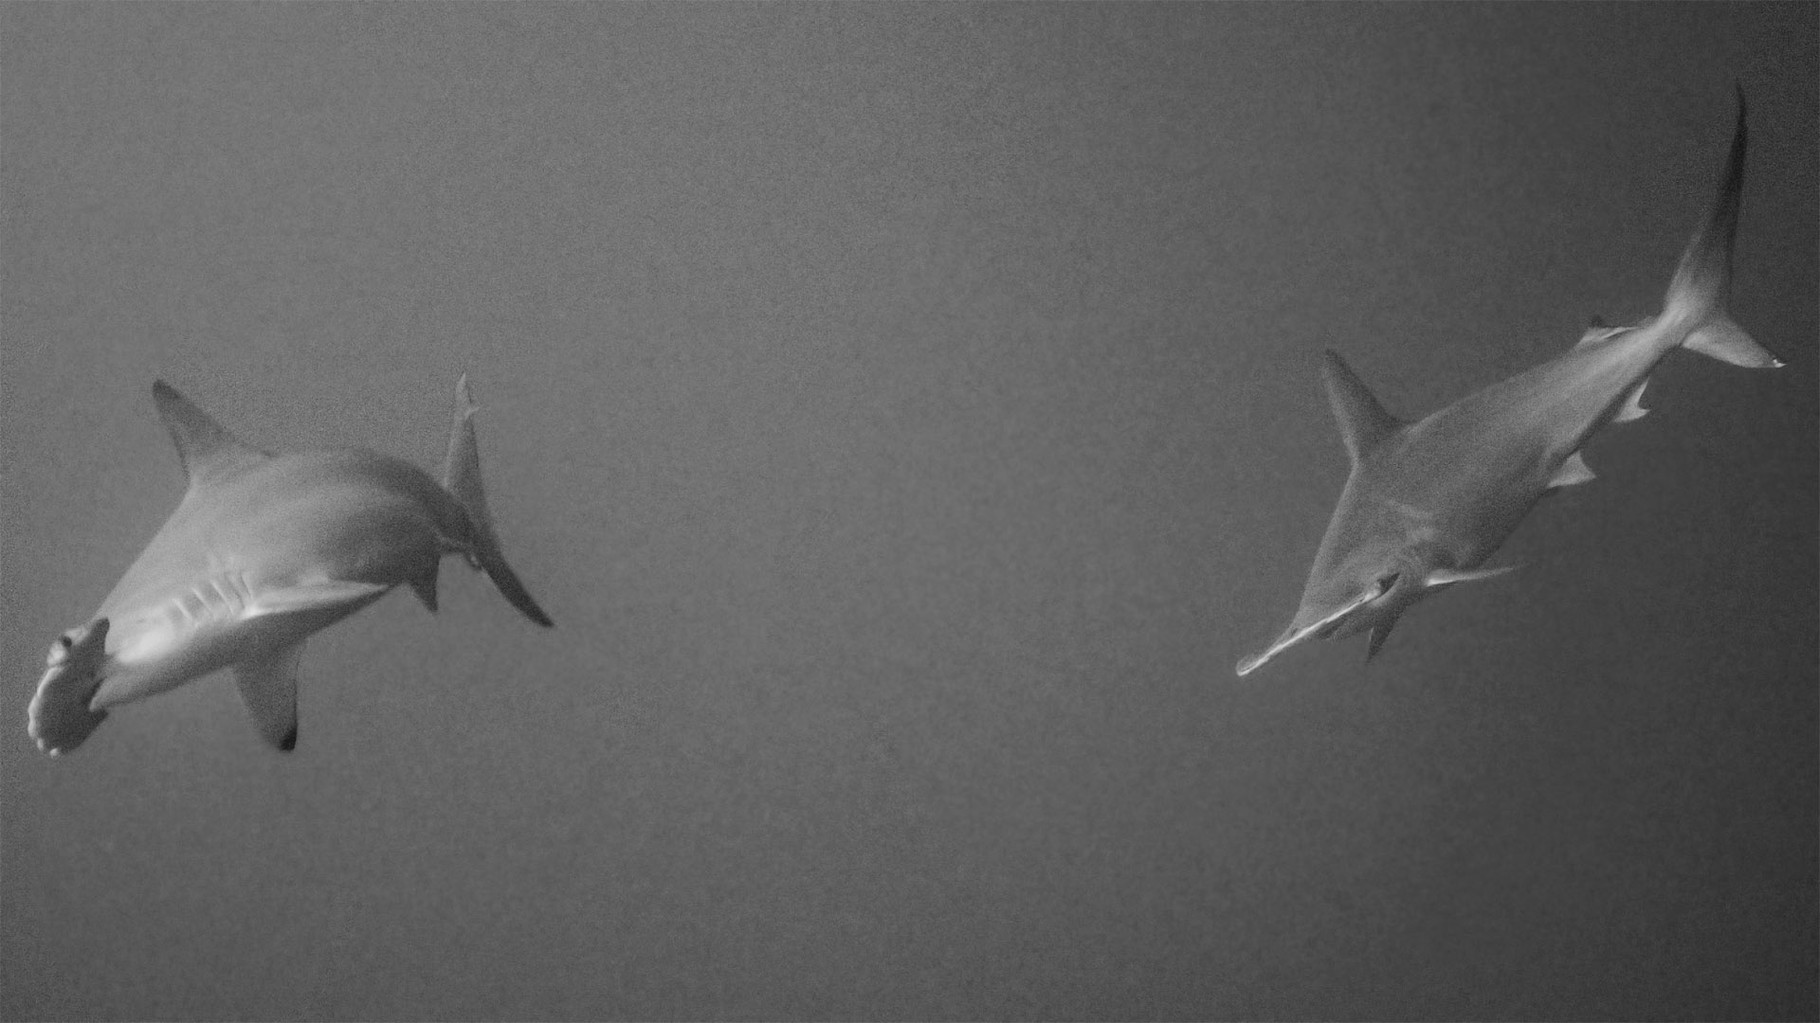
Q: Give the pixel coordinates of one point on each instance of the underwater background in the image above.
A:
(909, 415)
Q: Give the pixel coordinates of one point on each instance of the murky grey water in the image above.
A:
(908, 416)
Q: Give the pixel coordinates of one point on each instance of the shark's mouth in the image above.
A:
(1322, 629)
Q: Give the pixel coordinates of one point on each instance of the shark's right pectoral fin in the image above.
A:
(59, 718)
(268, 684)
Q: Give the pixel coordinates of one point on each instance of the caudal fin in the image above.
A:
(461, 478)
(1702, 281)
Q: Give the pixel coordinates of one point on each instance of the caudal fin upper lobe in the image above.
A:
(461, 478)
(1702, 282)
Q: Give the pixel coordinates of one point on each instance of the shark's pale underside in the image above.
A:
(263, 551)
(1426, 503)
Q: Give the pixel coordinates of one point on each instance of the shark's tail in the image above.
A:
(1694, 311)
(461, 478)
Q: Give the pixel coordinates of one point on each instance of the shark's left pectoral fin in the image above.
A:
(268, 684)
(1379, 634)
(312, 596)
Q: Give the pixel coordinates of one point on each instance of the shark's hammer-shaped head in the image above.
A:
(60, 717)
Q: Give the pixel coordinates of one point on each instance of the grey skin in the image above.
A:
(1426, 503)
(263, 552)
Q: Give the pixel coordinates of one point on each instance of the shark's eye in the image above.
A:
(65, 641)
(1388, 583)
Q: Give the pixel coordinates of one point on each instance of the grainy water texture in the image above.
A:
(908, 415)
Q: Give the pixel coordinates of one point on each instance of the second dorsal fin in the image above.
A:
(1362, 419)
(1598, 330)
(209, 452)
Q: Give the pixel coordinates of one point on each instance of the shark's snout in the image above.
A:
(1321, 626)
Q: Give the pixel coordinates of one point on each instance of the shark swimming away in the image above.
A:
(1426, 503)
(263, 551)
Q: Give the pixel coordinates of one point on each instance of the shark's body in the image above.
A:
(1428, 502)
(264, 551)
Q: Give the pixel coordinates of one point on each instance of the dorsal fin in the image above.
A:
(1363, 421)
(208, 451)
(1598, 330)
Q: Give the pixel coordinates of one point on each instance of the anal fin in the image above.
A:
(1633, 409)
(425, 587)
(1573, 472)
(268, 685)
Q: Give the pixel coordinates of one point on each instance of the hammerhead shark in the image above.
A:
(263, 551)
(1426, 503)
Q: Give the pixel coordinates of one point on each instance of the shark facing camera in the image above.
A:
(262, 552)
(1426, 503)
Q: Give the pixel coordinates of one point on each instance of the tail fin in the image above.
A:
(461, 478)
(1702, 282)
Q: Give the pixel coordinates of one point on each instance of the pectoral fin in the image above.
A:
(312, 596)
(268, 684)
